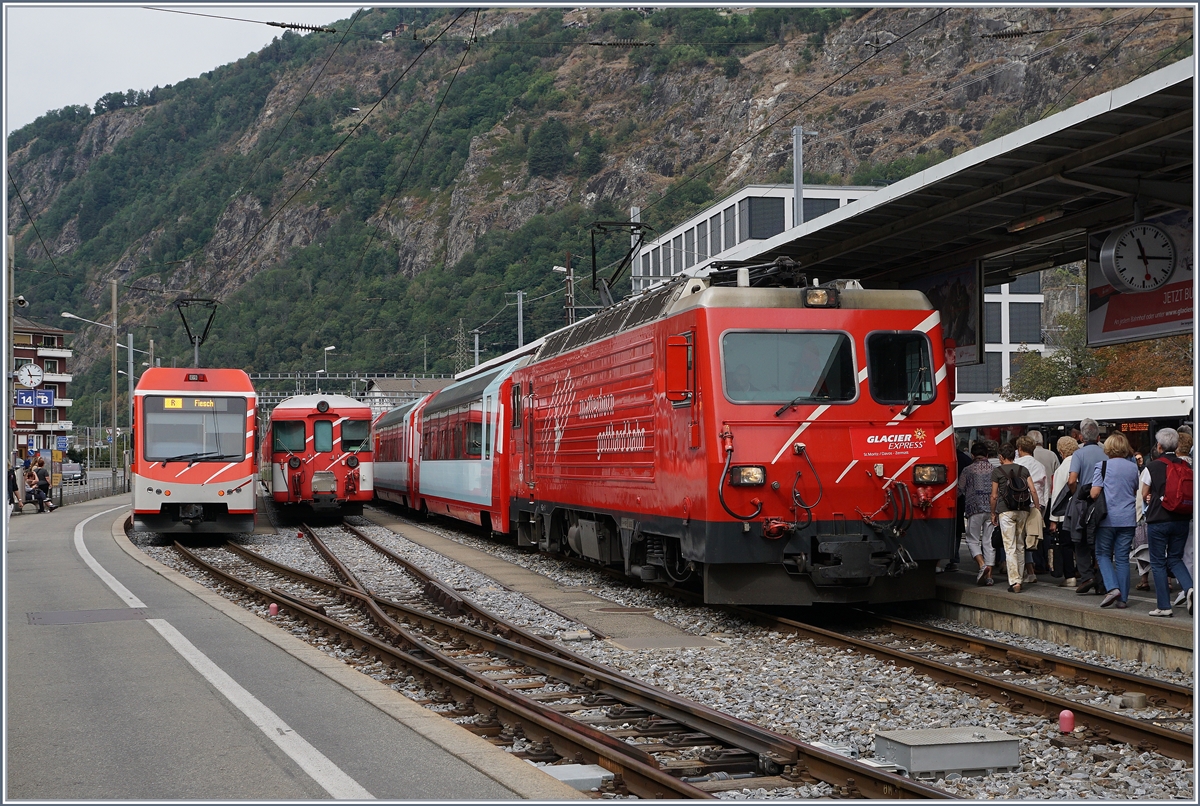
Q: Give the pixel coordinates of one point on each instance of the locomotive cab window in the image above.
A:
(783, 366)
(900, 367)
(194, 429)
(516, 405)
(355, 434)
(323, 436)
(288, 436)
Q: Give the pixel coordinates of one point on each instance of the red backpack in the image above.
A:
(1177, 493)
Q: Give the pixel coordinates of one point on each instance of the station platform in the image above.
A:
(1058, 614)
(128, 681)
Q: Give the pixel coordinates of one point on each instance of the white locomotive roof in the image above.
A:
(1167, 401)
(310, 402)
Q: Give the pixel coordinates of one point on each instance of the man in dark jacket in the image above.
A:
(1083, 465)
(1166, 531)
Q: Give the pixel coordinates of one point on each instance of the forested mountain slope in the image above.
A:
(369, 188)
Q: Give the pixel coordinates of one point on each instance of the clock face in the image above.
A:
(1140, 257)
(29, 375)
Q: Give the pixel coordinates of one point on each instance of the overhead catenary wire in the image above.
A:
(33, 223)
(771, 124)
(294, 25)
(250, 240)
(421, 144)
(1091, 73)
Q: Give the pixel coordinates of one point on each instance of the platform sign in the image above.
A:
(62, 443)
(30, 443)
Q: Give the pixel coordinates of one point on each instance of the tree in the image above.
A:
(1145, 364)
(1063, 370)
(548, 149)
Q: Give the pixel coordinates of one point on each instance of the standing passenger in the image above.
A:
(1046, 457)
(1083, 464)
(1011, 520)
(1064, 550)
(1167, 532)
(975, 484)
(1118, 480)
(1035, 551)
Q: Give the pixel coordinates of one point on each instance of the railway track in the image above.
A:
(545, 703)
(1003, 674)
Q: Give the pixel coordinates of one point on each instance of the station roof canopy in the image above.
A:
(1021, 203)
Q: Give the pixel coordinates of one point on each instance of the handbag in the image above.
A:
(1098, 510)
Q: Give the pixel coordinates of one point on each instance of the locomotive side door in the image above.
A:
(530, 442)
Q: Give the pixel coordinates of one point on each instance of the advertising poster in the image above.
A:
(1140, 280)
(956, 294)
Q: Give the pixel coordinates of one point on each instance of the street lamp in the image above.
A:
(112, 450)
(327, 349)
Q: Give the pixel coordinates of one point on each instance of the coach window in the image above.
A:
(778, 367)
(899, 367)
(323, 436)
(355, 434)
(289, 436)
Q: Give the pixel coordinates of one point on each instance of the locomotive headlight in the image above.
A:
(929, 474)
(294, 462)
(748, 476)
(820, 298)
(323, 406)
(352, 461)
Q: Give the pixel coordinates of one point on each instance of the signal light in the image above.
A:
(352, 461)
(196, 377)
(294, 462)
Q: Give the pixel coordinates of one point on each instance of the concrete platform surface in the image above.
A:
(100, 706)
(1059, 614)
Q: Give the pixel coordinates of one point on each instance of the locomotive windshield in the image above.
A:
(289, 436)
(355, 434)
(775, 367)
(198, 429)
(900, 368)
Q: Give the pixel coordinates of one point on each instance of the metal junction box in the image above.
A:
(937, 752)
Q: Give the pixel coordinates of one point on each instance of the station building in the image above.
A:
(43, 413)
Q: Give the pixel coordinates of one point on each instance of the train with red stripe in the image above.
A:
(194, 461)
(768, 441)
(319, 454)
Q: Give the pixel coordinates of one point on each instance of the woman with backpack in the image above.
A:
(1117, 479)
(1167, 491)
(1012, 494)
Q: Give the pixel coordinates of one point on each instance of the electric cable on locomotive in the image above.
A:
(802, 450)
(727, 441)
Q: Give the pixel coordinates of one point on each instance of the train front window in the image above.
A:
(193, 428)
(777, 367)
(288, 436)
(323, 436)
(355, 434)
(900, 367)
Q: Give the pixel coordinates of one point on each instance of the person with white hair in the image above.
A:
(1048, 458)
(1167, 532)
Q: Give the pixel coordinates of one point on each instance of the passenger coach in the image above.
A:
(194, 459)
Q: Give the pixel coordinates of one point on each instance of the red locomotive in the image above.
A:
(774, 443)
(194, 459)
(319, 450)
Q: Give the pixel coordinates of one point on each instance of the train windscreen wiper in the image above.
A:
(192, 458)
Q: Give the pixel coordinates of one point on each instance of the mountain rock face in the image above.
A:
(885, 85)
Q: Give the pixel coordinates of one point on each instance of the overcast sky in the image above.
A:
(55, 56)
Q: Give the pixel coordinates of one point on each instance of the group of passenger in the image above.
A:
(34, 486)
(1083, 516)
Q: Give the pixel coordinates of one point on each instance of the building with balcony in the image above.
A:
(41, 414)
